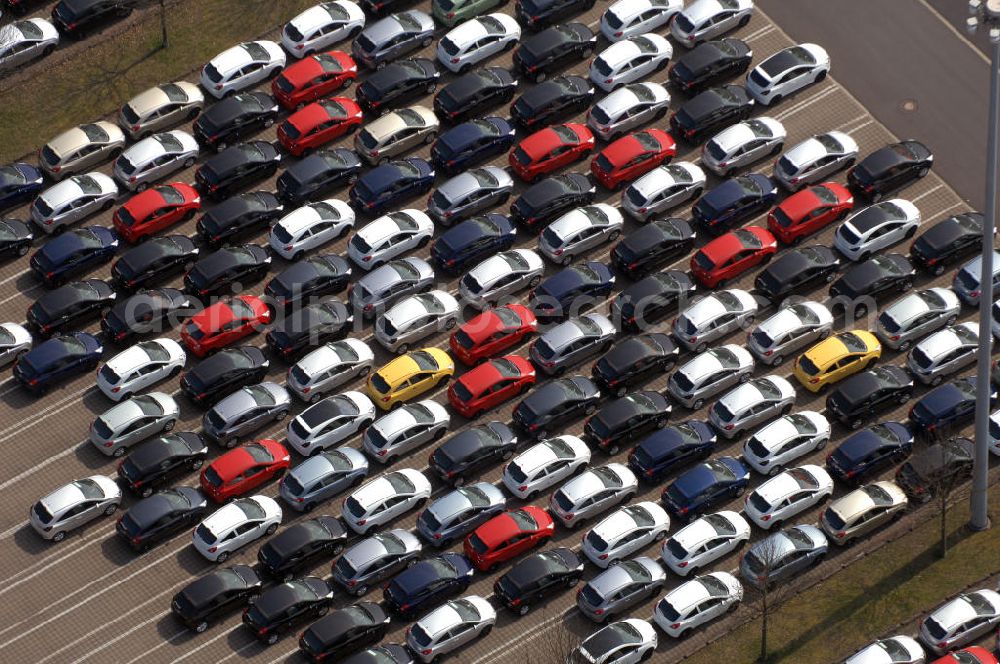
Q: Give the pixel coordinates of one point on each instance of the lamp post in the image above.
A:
(987, 13)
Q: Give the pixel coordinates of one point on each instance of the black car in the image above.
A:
(471, 241)
(948, 241)
(552, 101)
(15, 237)
(427, 584)
(226, 269)
(165, 513)
(156, 462)
(472, 95)
(632, 360)
(300, 545)
(153, 260)
(472, 143)
(549, 198)
(868, 394)
(390, 653)
(875, 278)
(345, 631)
(308, 280)
(20, 182)
(151, 311)
(235, 117)
(866, 453)
(889, 168)
(625, 418)
(671, 447)
(317, 174)
(940, 466)
(239, 217)
(223, 373)
(314, 325)
(709, 111)
(284, 607)
(396, 83)
(76, 18)
(538, 577)
(709, 63)
(536, 14)
(380, 8)
(733, 202)
(652, 245)
(947, 407)
(552, 49)
(796, 270)
(75, 251)
(387, 185)
(66, 307)
(462, 456)
(651, 300)
(553, 404)
(214, 595)
(236, 167)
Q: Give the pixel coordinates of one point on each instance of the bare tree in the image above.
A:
(163, 24)
(761, 595)
(937, 471)
(550, 645)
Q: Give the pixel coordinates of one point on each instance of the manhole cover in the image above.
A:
(908, 105)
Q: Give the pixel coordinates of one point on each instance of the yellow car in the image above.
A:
(836, 358)
(409, 375)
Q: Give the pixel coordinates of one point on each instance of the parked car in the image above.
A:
(471, 241)
(731, 254)
(624, 640)
(472, 143)
(902, 648)
(388, 237)
(389, 184)
(709, 62)
(631, 156)
(868, 452)
(947, 241)
(140, 366)
(244, 411)
(458, 512)
(392, 37)
(862, 511)
(872, 279)
(284, 607)
(875, 228)
(156, 209)
(414, 318)
(787, 494)
(713, 317)
(476, 39)
(572, 341)
(450, 626)
(238, 218)
(835, 358)
(243, 469)
(536, 578)
(235, 117)
(69, 307)
(786, 72)
(659, 242)
(156, 462)
(344, 631)
(236, 167)
(545, 464)
(553, 404)
(57, 359)
(330, 421)
(626, 18)
(944, 352)
(709, 373)
(783, 555)
(312, 127)
(313, 77)
(20, 182)
(490, 384)
(409, 375)
(222, 373)
(381, 499)
(571, 290)
(73, 505)
(551, 49)
(949, 461)
(734, 202)
(299, 546)
(809, 210)
(150, 310)
(315, 324)
(234, 525)
(619, 588)
(663, 188)
(704, 541)
(241, 67)
(15, 341)
(321, 477)
(705, 19)
(961, 620)
(223, 323)
(322, 26)
(375, 559)
(966, 282)
(951, 404)
(784, 440)
(80, 148)
(153, 261)
(796, 270)
(633, 58)
(72, 200)
(697, 602)
(628, 108)
(472, 95)
(214, 595)
(751, 404)
(791, 328)
(551, 101)
(869, 393)
(711, 110)
(549, 149)
(625, 531)
(27, 40)
(815, 159)
(508, 535)
(651, 299)
(329, 366)
(538, 14)
(404, 430)
(630, 362)
(156, 518)
(889, 169)
(463, 195)
(702, 487)
(160, 108)
(457, 459)
(155, 157)
(743, 144)
(427, 583)
(592, 492)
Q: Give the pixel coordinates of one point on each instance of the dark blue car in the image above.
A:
(735, 201)
(472, 143)
(950, 405)
(869, 451)
(427, 584)
(571, 288)
(19, 183)
(56, 360)
(388, 185)
(705, 485)
(73, 252)
(671, 447)
(472, 241)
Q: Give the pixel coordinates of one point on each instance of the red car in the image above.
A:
(973, 655)
(313, 77)
(318, 124)
(507, 536)
(490, 384)
(631, 156)
(550, 149)
(223, 323)
(730, 255)
(155, 209)
(241, 470)
(491, 332)
(809, 210)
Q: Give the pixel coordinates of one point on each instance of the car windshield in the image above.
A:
(523, 519)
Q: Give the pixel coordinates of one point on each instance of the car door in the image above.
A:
(78, 515)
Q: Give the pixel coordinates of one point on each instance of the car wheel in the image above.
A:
(270, 529)
(201, 627)
(315, 397)
(860, 311)
(776, 99)
(222, 557)
(58, 537)
(856, 424)
(148, 491)
(698, 404)
(701, 348)
(620, 392)
(450, 324)
(119, 452)
(281, 415)
(876, 197)
(936, 381)
(110, 509)
(402, 349)
(590, 409)
(271, 639)
(523, 609)
(822, 443)
(786, 410)
(230, 443)
(613, 450)
(169, 426)
(540, 76)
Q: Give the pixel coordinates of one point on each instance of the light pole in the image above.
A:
(987, 13)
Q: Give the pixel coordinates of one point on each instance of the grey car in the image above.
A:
(160, 108)
(579, 230)
(154, 158)
(475, 190)
(375, 559)
(713, 317)
(627, 108)
(393, 37)
(500, 275)
(663, 188)
(620, 587)
(77, 149)
(815, 159)
(916, 314)
(329, 366)
(751, 404)
(459, 512)
(23, 41)
(74, 505)
(246, 411)
(709, 373)
(382, 287)
(944, 353)
(73, 199)
(966, 281)
(323, 476)
(791, 328)
(132, 421)
(395, 133)
(705, 19)
(571, 342)
(783, 555)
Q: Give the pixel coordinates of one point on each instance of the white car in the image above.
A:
(132, 421)
(321, 26)
(787, 494)
(790, 329)
(140, 366)
(899, 649)
(706, 19)
(697, 602)
(329, 422)
(786, 72)
(742, 144)
(944, 353)
(995, 432)
(382, 499)
(579, 230)
(815, 159)
(389, 236)
(23, 41)
(875, 228)
(751, 404)
(703, 541)
(627, 108)
(713, 317)
(477, 39)
(15, 341)
(309, 227)
(961, 621)
(630, 60)
(786, 439)
(414, 318)
(328, 367)
(624, 532)
(234, 525)
(405, 429)
(594, 491)
(73, 505)
(628, 641)
(709, 373)
(663, 188)
(241, 67)
(450, 626)
(500, 275)
(73, 199)
(545, 464)
(626, 18)
(154, 158)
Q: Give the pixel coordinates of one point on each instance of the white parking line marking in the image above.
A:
(860, 127)
(170, 639)
(62, 555)
(949, 208)
(759, 32)
(34, 469)
(802, 105)
(20, 293)
(18, 426)
(492, 655)
(927, 193)
(849, 123)
(117, 638)
(200, 647)
(238, 651)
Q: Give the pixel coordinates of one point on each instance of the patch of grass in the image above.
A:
(860, 603)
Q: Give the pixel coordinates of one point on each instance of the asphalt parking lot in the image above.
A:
(91, 599)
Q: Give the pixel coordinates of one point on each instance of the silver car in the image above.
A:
(966, 281)
(15, 341)
(627, 108)
(815, 159)
(405, 429)
(81, 147)
(624, 532)
(459, 512)
(961, 621)
(450, 626)
(916, 314)
(71, 200)
(786, 495)
(663, 188)
(396, 132)
(697, 602)
(380, 288)
(713, 317)
(630, 60)
(580, 230)
(322, 476)
(74, 505)
(501, 275)
(626, 18)
(703, 541)
(380, 500)
(876, 227)
(792, 328)
(751, 404)
(329, 422)
(571, 342)
(329, 366)
(388, 237)
(783, 555)
(593, 492)
(743, 144)
(132, 421)
(476, 39)
(160, 108)
(467, 193)
(310, 227)
(375, 559)
(23, 41)
(392, 37)
(706, 19)
(415, 318)
(626, 641)
(620, 587)
(709, 373)
(154, 158)
(544, 465)
(786, 439)
(245, 411)
(241, 67)
(140, 366)
(944, 353)
(786, 72)
(321, 26)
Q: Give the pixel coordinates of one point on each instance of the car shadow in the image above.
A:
(28, 540)
(167, 627)
(191, 561)
(115, 550)
(90, 456)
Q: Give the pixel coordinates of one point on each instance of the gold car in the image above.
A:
(395, 133)
(160, 108)
(80, 148)
(409, 376)
(836, 358)
(862, 511)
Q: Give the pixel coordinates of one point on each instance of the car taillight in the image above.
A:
(598, 612)
(213, 549)
(766, 517)
(218, 86)
(382, 452)
(932, 261)
(523, 487)
(299, 47)
(108, 444)
(813, 381)
(650, 472)
(366, 258)
(362, 522)
(450, 15)
(683, 564)
(841, 533)
(895, 337)
(603, 556)
(116, 389)
(426, 651)
(729, 427)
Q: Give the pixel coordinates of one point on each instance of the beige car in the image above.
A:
(161, 108)
(862, 511)
(395, 133)
(81, 148)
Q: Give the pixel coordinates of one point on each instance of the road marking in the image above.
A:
(34, 418)
(12, 277)
(792, 110)
(927, 193)
(279, 657)
(758, 32)
(145, 655)
(117, 638)
(540, 627)
(200, 647)
(860, 127)
(949, 208)
(34, 469)
(849, 123)
(19, 294)
(236, 652)
(62, 555)
(962, 38)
